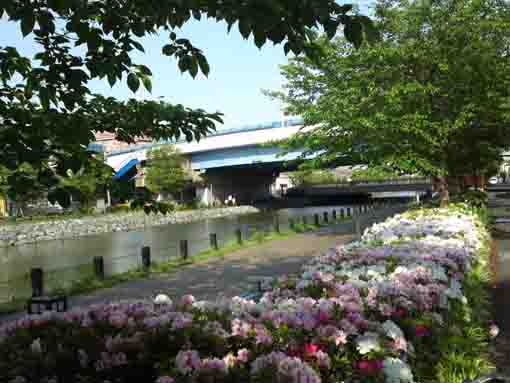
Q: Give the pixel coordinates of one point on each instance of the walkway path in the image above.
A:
(227, 276)
(500, 349)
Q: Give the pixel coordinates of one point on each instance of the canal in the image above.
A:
(65, 261)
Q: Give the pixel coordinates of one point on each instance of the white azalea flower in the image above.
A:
(162, 299)
(392, 330)
(368, 342)
(36, 347)
(396, 371)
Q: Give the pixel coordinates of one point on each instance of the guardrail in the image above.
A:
(346, 185)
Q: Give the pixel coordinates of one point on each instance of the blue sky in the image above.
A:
(239, 71)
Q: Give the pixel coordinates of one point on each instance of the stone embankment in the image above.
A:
(12, 235)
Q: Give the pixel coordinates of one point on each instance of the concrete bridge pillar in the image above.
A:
(246, 185)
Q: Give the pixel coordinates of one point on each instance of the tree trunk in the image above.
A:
(440, 185)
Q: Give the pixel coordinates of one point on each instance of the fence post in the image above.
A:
(316, 219)
(342, 213)
(277, 225)
(213, 240)
(305, 220)
(183, 245)
(357, 228)
(99, 267)
(326, 217)
(239, 237)
(348, 212)
(291, 224)
(334, 215)
(37, 278)
(146, 257)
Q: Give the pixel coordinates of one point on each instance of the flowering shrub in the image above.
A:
(377, 310)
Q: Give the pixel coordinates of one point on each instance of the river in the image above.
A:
(65, 261)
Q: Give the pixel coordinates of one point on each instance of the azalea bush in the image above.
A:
(405, 303)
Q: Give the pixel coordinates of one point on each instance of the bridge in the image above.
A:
(398, 188)
(239, 162)
(242, 163)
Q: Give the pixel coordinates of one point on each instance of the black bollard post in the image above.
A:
(342, 213)
(334, 215)
(239, 237)
(183, 245)
(37, 278)
(305, 220)
(316, 219)
(99, 267)
(326, 217)
(357, 228)
(277, 225)
(213, 240)
(291, 224)
(146, 257)
(349, 212)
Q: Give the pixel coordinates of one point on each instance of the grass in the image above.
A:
(93, 283)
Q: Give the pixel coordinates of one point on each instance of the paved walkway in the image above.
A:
(500, 349)
(228, 276)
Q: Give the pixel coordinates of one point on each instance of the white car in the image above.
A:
(494, 180)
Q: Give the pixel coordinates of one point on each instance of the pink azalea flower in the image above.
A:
(493, 330)
(311, 349)
(187, 361)
(421, 331)
(188, 300)
(370, 367)
(243, 355)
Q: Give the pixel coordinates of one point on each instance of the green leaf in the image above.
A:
(204, 65)
(371, 32)
(147, 83)
(286, 48)
(144, 70)
(138, 29)
(27, 22)
(353, 32)
(331, 28)
(169, 50)
(133, 82)
(184, 64)
(112, 79)
(277, 34)
(138, 46)
(44, 97)
(245, 27)
(260, 37)
(193, 68)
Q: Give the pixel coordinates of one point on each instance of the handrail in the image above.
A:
(396, 181)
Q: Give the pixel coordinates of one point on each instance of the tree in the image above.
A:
(27, 183)
(93, 177)
(4, 181)
(431, 97)
(166, 172)
(47, 110)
